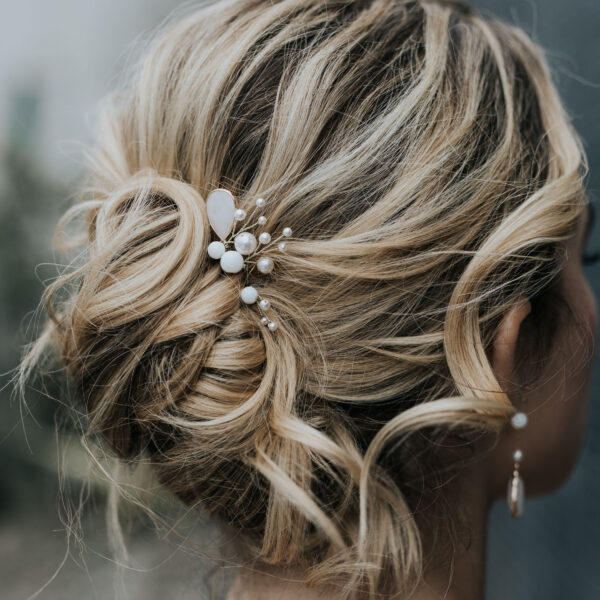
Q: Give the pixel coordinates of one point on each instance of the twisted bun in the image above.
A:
(148, 293)
(422, 158)
(167, 358)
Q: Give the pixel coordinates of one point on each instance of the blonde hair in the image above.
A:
(424, 162)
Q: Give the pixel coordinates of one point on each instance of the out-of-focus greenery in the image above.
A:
(28, 203)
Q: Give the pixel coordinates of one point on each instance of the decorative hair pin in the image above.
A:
(223, 216)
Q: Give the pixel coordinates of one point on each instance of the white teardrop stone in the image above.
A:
(232, 262)
(216, 249)
(220, 208)
(245, 243)
(249, 294)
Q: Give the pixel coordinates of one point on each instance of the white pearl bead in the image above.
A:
(282, 246)
(249, 294)
(264, 321)
(232, 262)
(272, 325)
(262, 220)
(265, 265)
(260, 202)
(518, 420)
(239, 214)
(518, 455)
(287, 231)
(216, 249)
(245, 243)
(264, 237)
(264, 304)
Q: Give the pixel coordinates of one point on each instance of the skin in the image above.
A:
(557, 408)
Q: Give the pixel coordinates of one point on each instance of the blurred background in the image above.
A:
(58, 59)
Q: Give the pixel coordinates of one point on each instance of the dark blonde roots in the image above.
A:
(429, 173)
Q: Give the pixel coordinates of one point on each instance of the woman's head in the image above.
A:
(422, 158)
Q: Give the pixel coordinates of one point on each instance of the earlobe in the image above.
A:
(505, 342)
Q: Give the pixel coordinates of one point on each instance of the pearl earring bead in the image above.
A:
(264, 304)
(232, 262)
(264, 238)
(272, 325)
(249, 295)
(264, 320)
(239, 214)
(518, 455)
(262, 220)
(519, 420)
(245, 243)
(282, 246)
(216, 249)
(265, 265)
(287, 231)
(260, 202)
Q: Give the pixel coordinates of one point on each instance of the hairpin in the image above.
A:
(223, 216)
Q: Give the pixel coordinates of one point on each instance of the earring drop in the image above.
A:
(515, 492)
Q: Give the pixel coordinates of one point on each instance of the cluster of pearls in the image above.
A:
(246, 247)
(250, 295)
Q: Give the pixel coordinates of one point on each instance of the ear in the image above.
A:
(505, 343)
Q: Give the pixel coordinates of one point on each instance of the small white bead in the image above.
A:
(216, 249)
(260, 202)
(245, 243)
(262, 220)
(518, 420)
(264, 238)
(282, 246)
(264, 304)
(518, 455)
(287, 231)
(249, 294)
(265, 265)
(272, 325)
(239, 214)
(232, 262)
(264, 321)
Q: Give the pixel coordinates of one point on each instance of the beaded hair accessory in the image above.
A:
(223, 216)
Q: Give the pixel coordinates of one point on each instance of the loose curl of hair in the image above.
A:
(431, 177)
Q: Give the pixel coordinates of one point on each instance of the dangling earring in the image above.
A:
(515, 493)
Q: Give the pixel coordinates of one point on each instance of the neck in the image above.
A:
(451, 573)
(458, 572)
